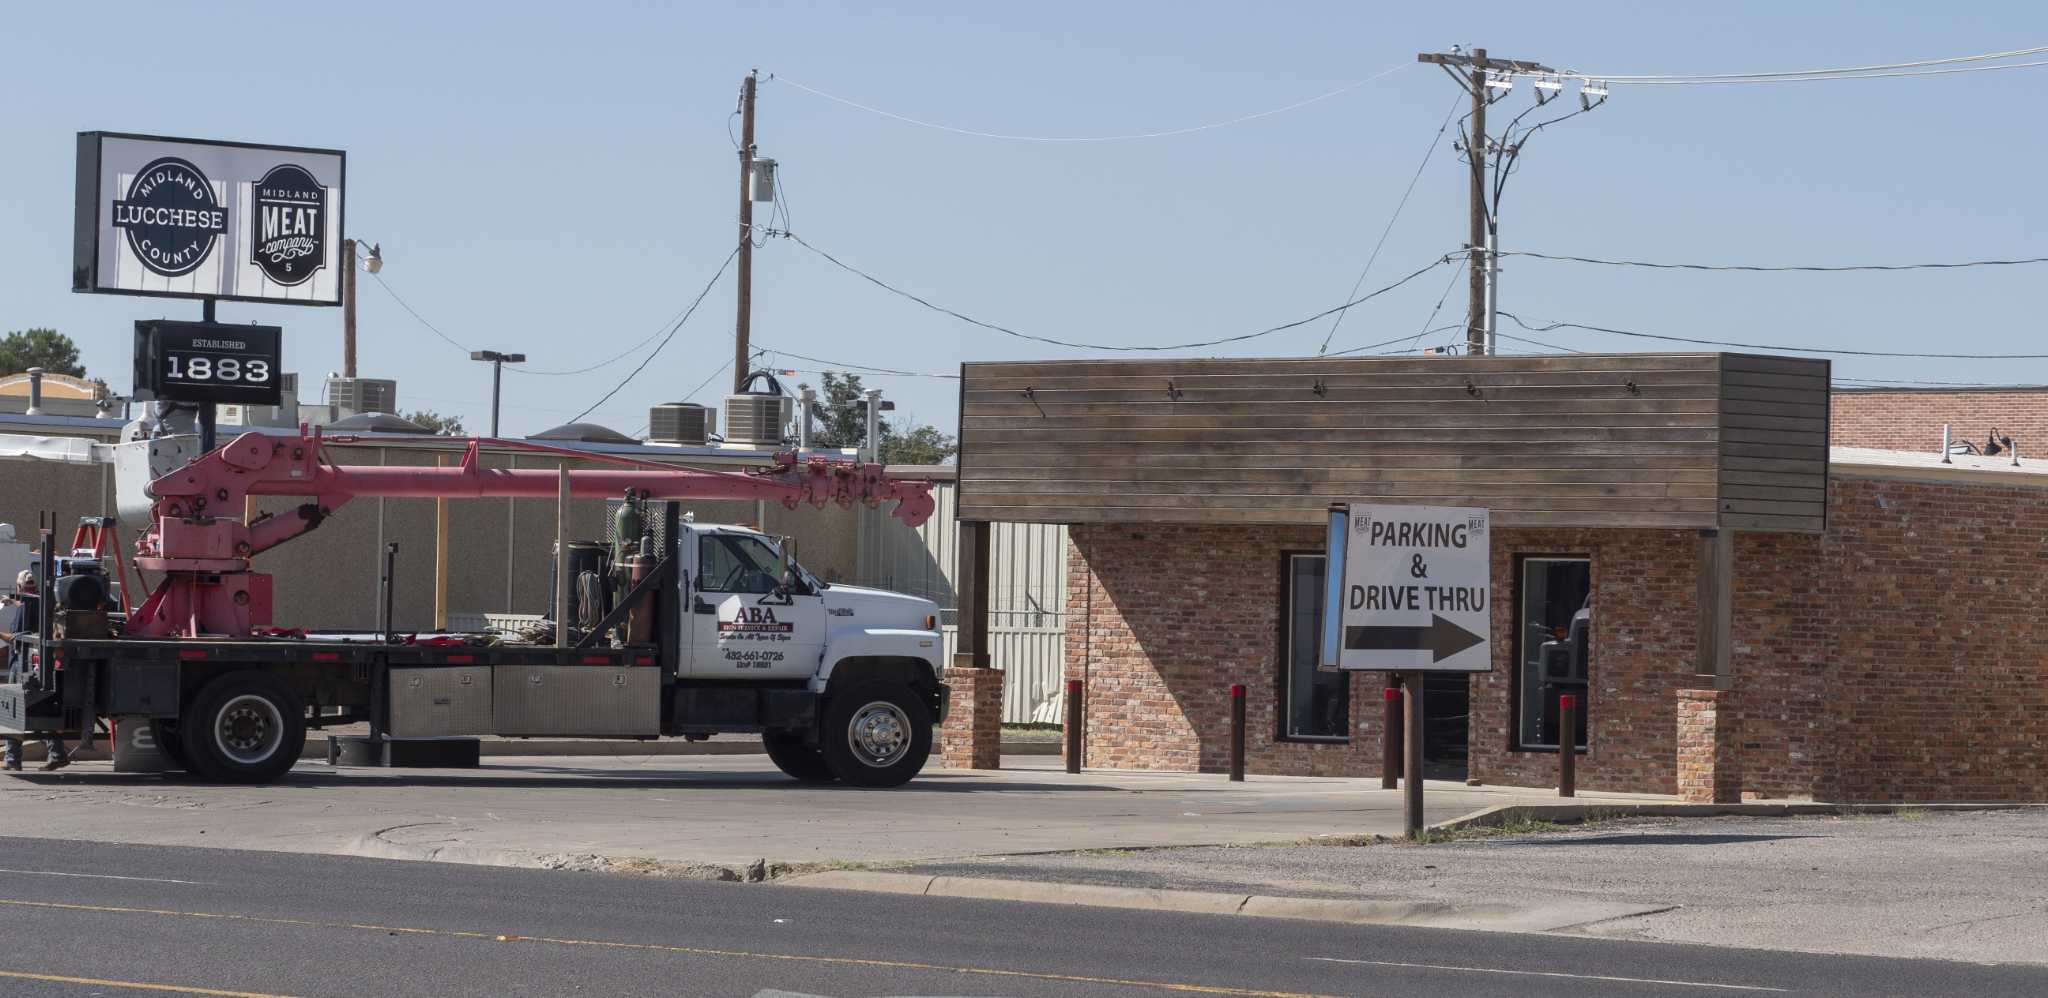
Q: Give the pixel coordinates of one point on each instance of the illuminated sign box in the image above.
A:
(194, 218)
(209, 362)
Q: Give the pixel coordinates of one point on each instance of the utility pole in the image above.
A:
(744, 321)
(348, 308)
(1471, 73)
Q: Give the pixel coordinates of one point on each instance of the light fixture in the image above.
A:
(375, 262)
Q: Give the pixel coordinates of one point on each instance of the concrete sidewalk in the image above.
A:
(689, 813)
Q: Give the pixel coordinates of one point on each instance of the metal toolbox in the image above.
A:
(433, 703)
(601, 700)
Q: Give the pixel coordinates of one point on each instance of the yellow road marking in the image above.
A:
(98, 982)
(847, 961)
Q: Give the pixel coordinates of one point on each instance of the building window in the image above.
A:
(1553, 607)
(1317, 705)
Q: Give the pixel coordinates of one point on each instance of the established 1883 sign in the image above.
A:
(193, 218)
(1409, 589)
(208, 362)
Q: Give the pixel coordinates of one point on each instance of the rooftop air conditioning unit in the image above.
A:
(685, 423)
(758, 417)
(363, 394)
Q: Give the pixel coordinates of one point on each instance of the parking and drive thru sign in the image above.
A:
(1409, 589)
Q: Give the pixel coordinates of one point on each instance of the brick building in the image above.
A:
(1912, 418)
(1765, 616)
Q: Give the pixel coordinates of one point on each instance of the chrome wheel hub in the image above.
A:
(249, 729)
(879, 734)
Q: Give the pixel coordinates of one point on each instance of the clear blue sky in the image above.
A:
(556, 178)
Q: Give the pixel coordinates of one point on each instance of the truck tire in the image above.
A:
(876, 735)
(243, 727)
(789, 753)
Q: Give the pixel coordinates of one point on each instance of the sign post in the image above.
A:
(1409, 590)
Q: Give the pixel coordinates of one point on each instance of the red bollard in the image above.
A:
(1073, 725)
(1567, 745)
(1237, 733)
(1390, 740)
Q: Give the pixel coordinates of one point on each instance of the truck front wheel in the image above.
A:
(243, 727)
(800, 761)
(876, 735)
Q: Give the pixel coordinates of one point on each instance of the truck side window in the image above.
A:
(730, 563)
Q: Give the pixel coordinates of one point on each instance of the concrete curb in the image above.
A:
(1574, 813)
(378, 846)
(1545, 917)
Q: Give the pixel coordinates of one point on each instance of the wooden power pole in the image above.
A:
(744, 321)
(1471, 71)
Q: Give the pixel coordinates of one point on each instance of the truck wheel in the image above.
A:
(244, 727)
(876, 735)
(789, 753)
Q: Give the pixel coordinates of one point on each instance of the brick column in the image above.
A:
(972, 736)
(1706, 748)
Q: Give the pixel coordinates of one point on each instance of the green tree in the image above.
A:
(840, 421)
(40, 347)
(447, 426)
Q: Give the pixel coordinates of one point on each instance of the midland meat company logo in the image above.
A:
(172, 216)
(290, 238)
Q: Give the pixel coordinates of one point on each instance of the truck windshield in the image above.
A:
(736, 563)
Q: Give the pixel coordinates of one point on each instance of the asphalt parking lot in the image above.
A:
(650, 812)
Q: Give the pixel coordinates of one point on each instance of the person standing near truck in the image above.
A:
(18, 614)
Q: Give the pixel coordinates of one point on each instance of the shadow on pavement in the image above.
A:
(572, 779)
(1647, 839)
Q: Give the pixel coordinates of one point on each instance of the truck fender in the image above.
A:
(880, 642)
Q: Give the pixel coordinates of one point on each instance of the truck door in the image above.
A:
(742, 625)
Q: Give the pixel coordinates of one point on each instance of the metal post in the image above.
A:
(1411, 739)
(440, 557)
(1492, 315)
(497, 383)
(1074, 719)
(1567, 745)
(207, 414)
(806, 402)
(35, 392)
(871, 436)
(745, 275)
(1390, 736)
(385, 584)
(562, 559)
(1237, 733)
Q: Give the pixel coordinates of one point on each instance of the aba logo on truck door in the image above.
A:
(288, 231)
(751, 620)
(172, 216)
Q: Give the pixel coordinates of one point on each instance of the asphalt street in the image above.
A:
(104, 919)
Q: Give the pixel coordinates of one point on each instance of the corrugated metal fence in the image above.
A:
(1027, 594)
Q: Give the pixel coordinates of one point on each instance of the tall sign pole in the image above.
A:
(1409, 590)
(348, 308)
(743, 322)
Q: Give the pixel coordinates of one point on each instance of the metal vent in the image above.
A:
(757, 420)
(684, 423)
(363, 394)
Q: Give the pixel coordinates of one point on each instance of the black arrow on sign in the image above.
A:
(1441, 638)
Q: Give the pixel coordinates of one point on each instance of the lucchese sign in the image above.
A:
(194, 218)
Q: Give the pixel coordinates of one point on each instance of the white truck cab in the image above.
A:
(869, 663)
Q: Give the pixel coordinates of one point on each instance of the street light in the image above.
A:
(348, 299)
(497, 361)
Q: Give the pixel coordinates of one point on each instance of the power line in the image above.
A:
(1409, 349)
(1536, 343)
(1548, 326)
(1954, 265)
(859, 368)
(416, 315)
(1005, 330)
(1384, 233)
(656, 352)
(1240, 119)
(1915, 68)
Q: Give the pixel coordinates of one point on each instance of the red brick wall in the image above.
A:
(1912, 420)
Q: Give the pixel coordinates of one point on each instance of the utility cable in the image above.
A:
(1536, 343)
(416, 315)
(1408, 349)
(1005, 330)
(857, 368)
(1384, 233)
(1548, 326)
(656, 352)
(1951, 265)
(1806, 75)
(1240, 119)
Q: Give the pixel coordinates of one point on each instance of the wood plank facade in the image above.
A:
(1586, 440)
